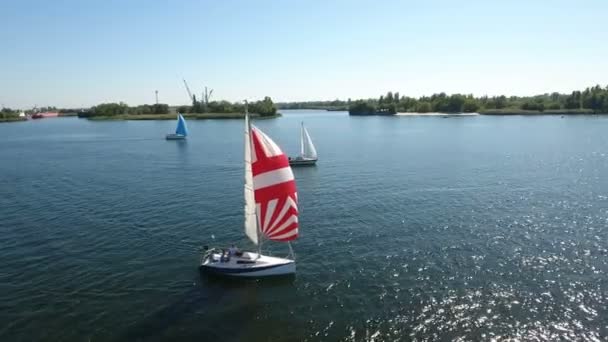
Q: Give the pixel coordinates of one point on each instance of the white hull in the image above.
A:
(175, 137)
(249, 265)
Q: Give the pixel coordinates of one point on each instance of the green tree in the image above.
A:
(407, 104)
(184, 109)
(264, 108)
(470, 106)
(160, 108)
(197, 106)
(110, 109)
(423, 107)
(573, 101)
(389, 97)
(361, 107)
(455, 103)
(8, 113)
(500, 102)
(220, 107)
(555, 97)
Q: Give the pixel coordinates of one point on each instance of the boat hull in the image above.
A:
(299, 161)
(175, 137)
(247, 266)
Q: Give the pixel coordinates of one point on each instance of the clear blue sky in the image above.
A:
(78, 53)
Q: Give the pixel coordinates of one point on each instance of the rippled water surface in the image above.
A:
(412, 228)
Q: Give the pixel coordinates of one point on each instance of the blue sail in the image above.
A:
(181, 126)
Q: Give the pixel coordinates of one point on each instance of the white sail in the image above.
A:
(302, 151)
(251, 228)
(308, 149)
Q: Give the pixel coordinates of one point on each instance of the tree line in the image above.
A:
(263, 107)
(8, 114)
(329, 105)
(592, 99)
(391, 103)
(114, 109)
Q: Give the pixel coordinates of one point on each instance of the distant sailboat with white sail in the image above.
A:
(181, 131)
(271, 212)
(308, 152)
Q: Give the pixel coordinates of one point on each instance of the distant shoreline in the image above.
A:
(504, 112)
(507, 112)
(512, 111)
(136, 117)
(191, 116)
(13, 119)
(212, 116)
(435, 114)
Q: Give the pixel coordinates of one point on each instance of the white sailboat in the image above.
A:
(308, 152)
(181, 131)
(271, 211)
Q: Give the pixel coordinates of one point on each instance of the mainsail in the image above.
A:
(274, 189)
(302, 148)
(251, 227)
(181, 126)
(308, 150)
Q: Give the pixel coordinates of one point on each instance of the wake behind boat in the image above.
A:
(181, 131)
(271, 212)
(308, 152)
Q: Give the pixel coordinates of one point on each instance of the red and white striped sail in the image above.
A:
(274, 189)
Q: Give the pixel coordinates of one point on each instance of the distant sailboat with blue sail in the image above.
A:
(181, 131)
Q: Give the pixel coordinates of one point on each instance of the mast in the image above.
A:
(251, 224)
(260, 236)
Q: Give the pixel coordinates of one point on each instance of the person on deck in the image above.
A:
(232, 251)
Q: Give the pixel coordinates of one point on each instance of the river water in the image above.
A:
(411, 228)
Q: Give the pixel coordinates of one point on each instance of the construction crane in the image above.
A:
(189, 92)
(207, 95)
